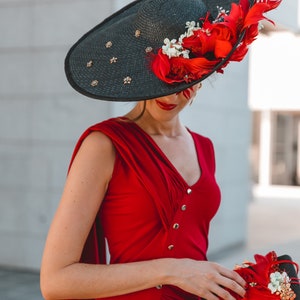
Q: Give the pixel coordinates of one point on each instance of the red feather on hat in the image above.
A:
(208, 45)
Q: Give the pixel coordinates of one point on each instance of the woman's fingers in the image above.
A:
(208, 280)
(233, 281)
(228, 281)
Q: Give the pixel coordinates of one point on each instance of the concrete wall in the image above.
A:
(41, 118)
(287, 15)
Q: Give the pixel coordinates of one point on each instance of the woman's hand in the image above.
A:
(205, 279)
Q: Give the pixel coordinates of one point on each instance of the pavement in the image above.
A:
(19, 284)
(273, 224)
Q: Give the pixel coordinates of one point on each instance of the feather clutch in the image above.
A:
(270, 277)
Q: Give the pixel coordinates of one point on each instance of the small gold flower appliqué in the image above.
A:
(109, 44)
(89, 64)
(149, 49)
(113, 60)
(137, 33)
(94, 83)
(127, 80)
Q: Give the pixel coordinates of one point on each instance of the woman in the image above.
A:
(141, 187)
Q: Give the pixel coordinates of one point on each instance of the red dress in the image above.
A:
(149, 211)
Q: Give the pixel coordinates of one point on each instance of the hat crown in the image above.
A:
(160, 19)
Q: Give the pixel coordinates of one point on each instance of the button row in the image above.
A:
(176, 225)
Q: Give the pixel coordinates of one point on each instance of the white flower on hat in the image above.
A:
(191, 27)
(174, 49)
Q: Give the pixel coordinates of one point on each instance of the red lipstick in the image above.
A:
(165, 106)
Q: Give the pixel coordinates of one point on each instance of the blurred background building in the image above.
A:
(251, 113)
(274, 102)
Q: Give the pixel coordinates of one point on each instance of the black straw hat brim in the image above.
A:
(111, 62)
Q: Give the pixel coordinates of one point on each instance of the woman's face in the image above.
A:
(171, 105)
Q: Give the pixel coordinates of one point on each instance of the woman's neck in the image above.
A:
(156, 126)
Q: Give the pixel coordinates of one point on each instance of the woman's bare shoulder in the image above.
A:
(96, 152)
(98, 140)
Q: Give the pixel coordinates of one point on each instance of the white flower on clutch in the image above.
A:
(277, 281)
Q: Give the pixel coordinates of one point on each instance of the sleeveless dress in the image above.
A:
(149, 211)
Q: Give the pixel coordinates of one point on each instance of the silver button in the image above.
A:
(189, 191)
(159, 287)
(170, 247)
(183, 207)
(176, 226)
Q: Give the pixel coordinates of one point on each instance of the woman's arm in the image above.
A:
(64, 277)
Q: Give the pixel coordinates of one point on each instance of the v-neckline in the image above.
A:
(171, 165)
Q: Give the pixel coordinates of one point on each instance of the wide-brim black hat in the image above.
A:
(112, 61)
